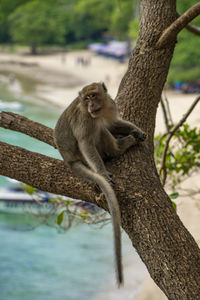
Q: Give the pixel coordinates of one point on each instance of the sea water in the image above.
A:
(43, 264)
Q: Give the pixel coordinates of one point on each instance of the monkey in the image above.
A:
(85, 135)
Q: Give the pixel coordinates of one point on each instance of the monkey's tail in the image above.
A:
(80, 169)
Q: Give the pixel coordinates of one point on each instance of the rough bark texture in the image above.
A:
(16, 122)
(163, 243)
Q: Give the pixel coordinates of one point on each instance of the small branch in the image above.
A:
(165, 114)
(192, 28)
(180, 123)
(172, 31)
(168, 111)
(22, 124)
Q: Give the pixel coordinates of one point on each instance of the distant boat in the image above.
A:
(11, 105)
(15, 200)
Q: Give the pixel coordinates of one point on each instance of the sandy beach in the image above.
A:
(58, 79)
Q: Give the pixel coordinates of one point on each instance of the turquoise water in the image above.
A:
(43, 264)
(37, 111)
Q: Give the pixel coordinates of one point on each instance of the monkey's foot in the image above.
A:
(140, 136)
(100, 198)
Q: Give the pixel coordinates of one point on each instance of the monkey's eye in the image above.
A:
(93, 96)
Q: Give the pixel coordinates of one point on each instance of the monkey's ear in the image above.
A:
(104, 86)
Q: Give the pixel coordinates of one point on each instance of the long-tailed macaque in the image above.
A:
(84, 135)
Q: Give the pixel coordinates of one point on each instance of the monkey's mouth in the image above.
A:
(94, 112)
(97, 110)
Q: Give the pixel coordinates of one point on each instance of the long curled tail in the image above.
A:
(80, 170)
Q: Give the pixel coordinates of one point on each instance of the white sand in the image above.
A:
(65, 78)
(51, 69)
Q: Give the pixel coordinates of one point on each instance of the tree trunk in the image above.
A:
(163, 243)
(167, 249)
(33, 49)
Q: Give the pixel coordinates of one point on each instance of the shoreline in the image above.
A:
(58, 81)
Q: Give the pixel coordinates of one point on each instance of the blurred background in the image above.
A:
(48, 50)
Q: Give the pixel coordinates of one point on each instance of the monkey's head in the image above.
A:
(93, 98)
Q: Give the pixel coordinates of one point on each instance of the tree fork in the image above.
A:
(163, 243)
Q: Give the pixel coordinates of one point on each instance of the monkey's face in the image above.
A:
(93, 98)
(94, 104)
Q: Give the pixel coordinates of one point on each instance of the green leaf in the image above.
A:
(84, 215)
(53, 200)
(174, 205)
(60, 217)
(174, 195)
(29, 189)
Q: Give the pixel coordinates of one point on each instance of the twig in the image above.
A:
(171, 133)
(168, 111)
(165, 114)
(168, 119)
(157, 143)
(172, 31)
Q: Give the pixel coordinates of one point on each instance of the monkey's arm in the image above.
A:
(125, 128)
(93, 159)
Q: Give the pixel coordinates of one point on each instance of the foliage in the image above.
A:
(133, 29)
(94, 14)
(121, 17)
(6, 8)
(183, 5)
(33, 26)
(72, 211)
(172, 197)
(183, 156)
(185, 63)
(97, 16)
(34, 22)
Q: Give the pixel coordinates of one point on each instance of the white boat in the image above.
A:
(15, 200)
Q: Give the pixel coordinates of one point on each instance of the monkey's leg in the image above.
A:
(115, 147)
(127, 128)
(125, 143)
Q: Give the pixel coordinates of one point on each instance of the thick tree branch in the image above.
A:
(172, 31)
(163, 243)
(43, 172)
(22, 124)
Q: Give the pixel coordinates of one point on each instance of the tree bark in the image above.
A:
(163, 243)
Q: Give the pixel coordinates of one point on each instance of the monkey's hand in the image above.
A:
(139, 135)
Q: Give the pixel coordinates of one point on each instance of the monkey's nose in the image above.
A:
(91, 105)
